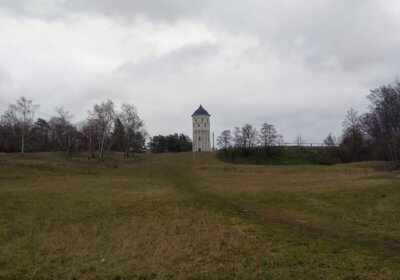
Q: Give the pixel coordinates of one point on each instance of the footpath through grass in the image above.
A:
(201, 221)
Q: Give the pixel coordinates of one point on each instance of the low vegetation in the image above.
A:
(202, 219)
(172, 143)
(282, 155)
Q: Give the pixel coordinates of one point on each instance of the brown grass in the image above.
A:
(211, 220)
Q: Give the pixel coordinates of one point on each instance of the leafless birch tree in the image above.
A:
(131, 123)
(22, 114)
(103, 116)
(64, 132)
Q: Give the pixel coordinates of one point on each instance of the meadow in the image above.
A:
(202, 219)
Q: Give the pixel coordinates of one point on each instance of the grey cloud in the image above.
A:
(349, 35)
(5, 78)
(127, 9)
(174, 62)
(326, 35)
(6, 82)
(123, 9)
(310, 61)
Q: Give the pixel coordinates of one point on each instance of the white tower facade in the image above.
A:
(201, 130)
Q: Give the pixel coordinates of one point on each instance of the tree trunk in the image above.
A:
(23, 141)
(393, 155)
(101, 151)
(91, 154)
(126, 148)
(133, 141)
(126, 145)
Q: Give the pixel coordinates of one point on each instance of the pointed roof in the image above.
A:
(201, 112)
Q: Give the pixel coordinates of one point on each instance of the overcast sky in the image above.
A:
(296, 64)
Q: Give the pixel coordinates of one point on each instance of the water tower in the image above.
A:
(201, 130)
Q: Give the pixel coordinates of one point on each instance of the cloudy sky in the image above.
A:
(296, 64)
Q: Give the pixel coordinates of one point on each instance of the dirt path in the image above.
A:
(184, 179)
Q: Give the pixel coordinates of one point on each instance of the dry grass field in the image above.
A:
(208, 220)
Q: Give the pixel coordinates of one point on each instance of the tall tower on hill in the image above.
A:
(201, 130)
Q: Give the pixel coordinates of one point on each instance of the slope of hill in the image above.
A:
(195, 219)
(290, 155)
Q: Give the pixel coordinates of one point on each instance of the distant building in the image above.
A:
(201, 130)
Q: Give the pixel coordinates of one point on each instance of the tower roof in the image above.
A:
(201, 112)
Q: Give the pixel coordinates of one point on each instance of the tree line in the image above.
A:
(172, 143)
(247, 137)
(105, 128)
(374, 135)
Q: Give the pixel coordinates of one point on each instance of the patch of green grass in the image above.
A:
(279, 156)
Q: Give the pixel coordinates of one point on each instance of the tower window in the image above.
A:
(195, 120)
(205, 125)
(199, 138)
(199, 125)
(201, 119)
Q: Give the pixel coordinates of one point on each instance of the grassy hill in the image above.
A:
(290, 155)
(211, 219)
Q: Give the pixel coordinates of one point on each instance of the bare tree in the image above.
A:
(224, 141)
(22, 114)
(353, 141)
(88, 134)
(249, 136)
(269, 136)
(237, 137)
(132, 125)
(64, 132)
(299, 140)
(352, 123)
(8, 133)
(103, 116)
(383, 121)
(330, 141)
(245, 138)
(280, 141)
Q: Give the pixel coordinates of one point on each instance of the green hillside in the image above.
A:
(290, 155)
